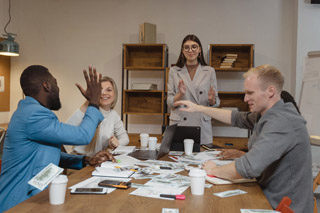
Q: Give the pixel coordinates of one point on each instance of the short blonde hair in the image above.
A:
(115, 89)
(268, 75)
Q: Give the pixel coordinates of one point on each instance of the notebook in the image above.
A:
(164, 148)
(186, 132)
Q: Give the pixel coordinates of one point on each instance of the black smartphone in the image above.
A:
(210, 146)
(88, 191)
(115, 184)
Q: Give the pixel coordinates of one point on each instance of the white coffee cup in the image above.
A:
(188, 146)
(197, 179)
(144, 139)
(57, 190)
(152, 143)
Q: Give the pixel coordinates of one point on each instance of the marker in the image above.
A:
(211, 176)
(165, 167)
(176, 197)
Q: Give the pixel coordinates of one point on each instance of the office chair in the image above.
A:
(316, 183)
(284, 205)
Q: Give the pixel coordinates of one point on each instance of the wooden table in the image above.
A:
(121, 201)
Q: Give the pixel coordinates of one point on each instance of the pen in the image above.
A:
(176, 197)
(211, 176)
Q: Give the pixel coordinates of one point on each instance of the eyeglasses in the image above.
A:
(187, 48)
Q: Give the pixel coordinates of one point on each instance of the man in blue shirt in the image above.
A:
(35, 135)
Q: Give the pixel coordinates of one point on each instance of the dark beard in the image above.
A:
(54, 101)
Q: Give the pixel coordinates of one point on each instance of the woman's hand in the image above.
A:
(212, 96)
(113, 142)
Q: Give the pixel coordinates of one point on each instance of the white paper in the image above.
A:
(111, 172)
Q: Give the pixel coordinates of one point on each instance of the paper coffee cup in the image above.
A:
(197, 179)
(153, 143)
(188, 146)
(57, 190)
(144, 139)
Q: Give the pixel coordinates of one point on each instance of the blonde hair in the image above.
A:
(115, 89)
(268, 75)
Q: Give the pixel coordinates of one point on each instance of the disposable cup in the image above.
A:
(152, 143)
(144, 139)
(57, 190)
(188, 146)
(197, 178)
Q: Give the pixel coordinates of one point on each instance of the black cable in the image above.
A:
(5, 28)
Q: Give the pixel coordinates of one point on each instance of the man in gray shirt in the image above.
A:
(279, 154)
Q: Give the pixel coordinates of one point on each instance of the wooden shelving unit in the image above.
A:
(147, 58)
(231, 99)
(244, 60)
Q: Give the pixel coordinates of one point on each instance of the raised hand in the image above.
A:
(93, 91)
(211, 96)
(182, 87)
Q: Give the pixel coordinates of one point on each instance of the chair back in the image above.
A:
(316, 183)
(284, 205)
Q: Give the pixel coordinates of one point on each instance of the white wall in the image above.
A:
(67, 36)
(308, 36)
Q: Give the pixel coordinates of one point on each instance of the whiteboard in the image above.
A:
(310, 95)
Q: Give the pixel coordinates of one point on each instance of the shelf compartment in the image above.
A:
(244, 60)
(231, 143)
(233, 99)
(144, 56)
(142, 102)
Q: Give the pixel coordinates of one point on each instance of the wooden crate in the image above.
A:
(143, 102)
(233, 99)
(244, 60)
(144, 56)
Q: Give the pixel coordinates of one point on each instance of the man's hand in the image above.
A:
(229, 154)
(93, 92)
(190, 107)
(208, 166)
(99, 158)
(113, 142)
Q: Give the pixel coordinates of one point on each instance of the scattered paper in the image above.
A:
(258, 211)
(45, 176)
(230, 193)
(167, 210)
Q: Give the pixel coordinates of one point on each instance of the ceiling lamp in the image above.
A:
(8, 46)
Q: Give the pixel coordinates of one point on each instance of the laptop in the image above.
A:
(186, 132)
(164, 148)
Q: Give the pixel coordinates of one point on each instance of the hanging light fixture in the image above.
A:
(8, 46)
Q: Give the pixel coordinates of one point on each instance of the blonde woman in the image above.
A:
(110, 133)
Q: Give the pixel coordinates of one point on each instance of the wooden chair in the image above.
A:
(284, 205)
(316, 183)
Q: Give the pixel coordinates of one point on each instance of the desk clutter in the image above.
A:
(163, 176)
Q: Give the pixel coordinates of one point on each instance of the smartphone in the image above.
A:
(115, 184)
(210, 146)
(88, 191)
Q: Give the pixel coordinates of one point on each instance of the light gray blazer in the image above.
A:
(197, 92)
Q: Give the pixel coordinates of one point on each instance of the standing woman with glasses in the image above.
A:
(191, 79)
(110, 132)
